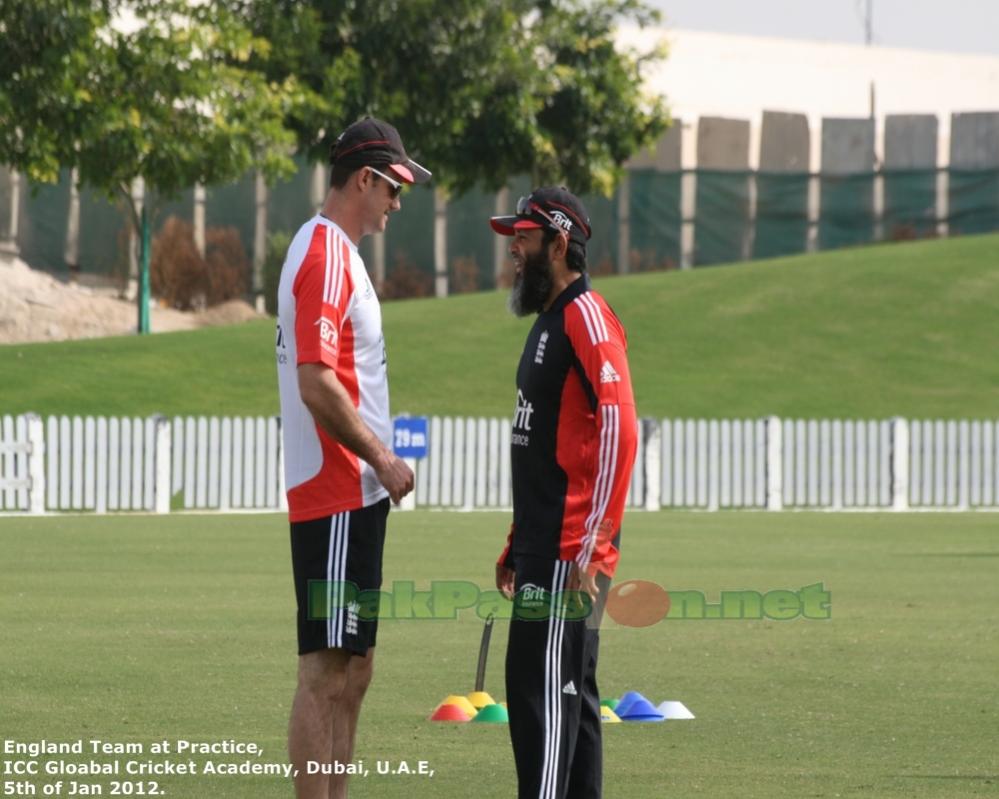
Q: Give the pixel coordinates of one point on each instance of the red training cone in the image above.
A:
(449, 713)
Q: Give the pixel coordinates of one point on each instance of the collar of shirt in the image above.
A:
(578, 286)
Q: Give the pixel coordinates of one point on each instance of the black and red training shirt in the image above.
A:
(574, 435)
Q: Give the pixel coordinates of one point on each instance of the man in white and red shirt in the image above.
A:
(339, 468)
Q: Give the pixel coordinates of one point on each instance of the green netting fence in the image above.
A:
(722, 228)
(781, 214)
(973, 201)
(847, 210)
(910, 208)
(655, 220)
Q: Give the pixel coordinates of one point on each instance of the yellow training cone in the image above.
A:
(609, 716)
(480, 699)
(460, 701)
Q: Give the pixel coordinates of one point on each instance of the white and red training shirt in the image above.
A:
(328, 313)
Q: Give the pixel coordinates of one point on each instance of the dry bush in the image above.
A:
(405, 281)
(910, 232)
(227, 267)
(464, 277)
(185, 280)
(650, 261)
(176, 269)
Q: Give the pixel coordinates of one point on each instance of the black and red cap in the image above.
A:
(372, 142)
(553, 207)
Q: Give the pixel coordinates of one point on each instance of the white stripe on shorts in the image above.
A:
(336, 566)
(553, 684)
(342, 576)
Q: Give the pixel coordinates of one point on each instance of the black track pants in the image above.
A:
(551, 686)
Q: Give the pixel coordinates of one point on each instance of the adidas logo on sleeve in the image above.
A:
(608, 374)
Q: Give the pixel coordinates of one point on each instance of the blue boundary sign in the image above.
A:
(409, 436)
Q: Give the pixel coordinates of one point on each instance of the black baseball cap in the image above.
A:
(372, 142)
(552, 207)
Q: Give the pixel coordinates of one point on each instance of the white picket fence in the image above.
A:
(227, 463)
(22, 445)
(111, 464)
(468, 465)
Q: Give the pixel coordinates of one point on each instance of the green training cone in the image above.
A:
(611, 703)
(492, 714)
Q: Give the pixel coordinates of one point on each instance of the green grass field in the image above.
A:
(903, 329)
(138, 628)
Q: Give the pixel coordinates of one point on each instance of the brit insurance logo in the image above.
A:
(562, 220)
(522, 421)
(532, 596)
(327, 333)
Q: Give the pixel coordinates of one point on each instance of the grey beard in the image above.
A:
(532, 286)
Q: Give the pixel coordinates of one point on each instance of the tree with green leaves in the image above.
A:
(485, 91)
(179, 93)
(154, 89)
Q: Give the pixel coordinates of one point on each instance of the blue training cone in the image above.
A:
(627, 700)
(641, 710)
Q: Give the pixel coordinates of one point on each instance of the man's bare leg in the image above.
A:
(322, 678)
(346, 711)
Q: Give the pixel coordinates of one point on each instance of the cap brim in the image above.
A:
(509, 225)
(411, 172)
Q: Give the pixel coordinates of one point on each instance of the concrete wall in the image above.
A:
(911, 141)
(974, 140)
(784, 141)
(847, 146)
(665, 155)
(722, 143)
(740, 76)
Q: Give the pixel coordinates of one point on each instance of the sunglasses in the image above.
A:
(395, 187)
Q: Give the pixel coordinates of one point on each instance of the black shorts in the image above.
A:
(337, 564)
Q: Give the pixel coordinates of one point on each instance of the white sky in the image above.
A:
(960, 26)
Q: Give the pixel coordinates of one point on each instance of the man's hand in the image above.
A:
(395, 475)
(580, 580)
(505, 580)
